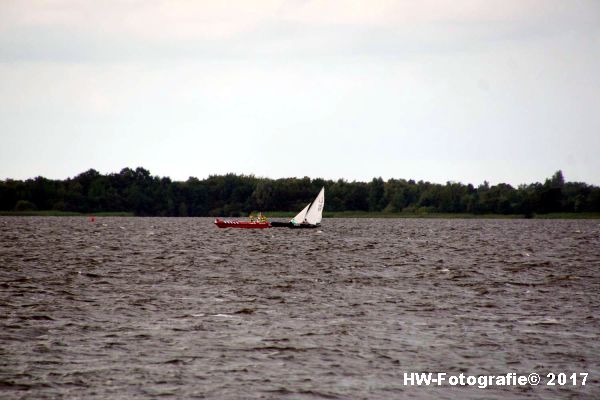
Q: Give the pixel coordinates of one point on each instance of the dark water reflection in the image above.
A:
(177, 308)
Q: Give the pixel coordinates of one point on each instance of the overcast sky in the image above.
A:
(504, 91)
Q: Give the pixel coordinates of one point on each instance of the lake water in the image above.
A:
(128, 308)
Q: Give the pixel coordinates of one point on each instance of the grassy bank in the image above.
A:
(54, 213)
(568, 216)
(326, 214)
(368, 214)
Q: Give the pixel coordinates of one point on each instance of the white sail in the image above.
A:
(298, 219)
(315, 212)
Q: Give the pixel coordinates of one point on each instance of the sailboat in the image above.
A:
(309, 217)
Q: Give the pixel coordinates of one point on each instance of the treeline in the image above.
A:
(140, 192)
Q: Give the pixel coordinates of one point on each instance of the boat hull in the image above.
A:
(241, 224)
(304, 226)
(276, 224)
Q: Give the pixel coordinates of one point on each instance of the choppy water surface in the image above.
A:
(177, 308)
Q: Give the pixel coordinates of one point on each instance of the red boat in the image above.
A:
(241, 224)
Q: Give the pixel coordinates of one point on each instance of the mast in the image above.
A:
(314, 215)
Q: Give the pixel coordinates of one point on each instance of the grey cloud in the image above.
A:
(273, 39)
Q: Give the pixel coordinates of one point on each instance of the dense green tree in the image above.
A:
(25, 205)
(376, 194)
(136, 190)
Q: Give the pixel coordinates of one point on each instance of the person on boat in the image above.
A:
(261, 217)
(252, 219)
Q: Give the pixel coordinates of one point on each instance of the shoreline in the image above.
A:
(327, 214)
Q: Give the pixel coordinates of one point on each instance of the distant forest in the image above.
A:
(137, 191)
